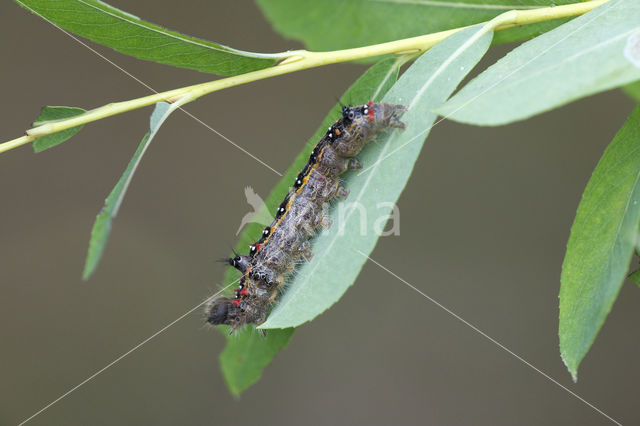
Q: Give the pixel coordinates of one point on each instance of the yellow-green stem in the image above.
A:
(300, 60)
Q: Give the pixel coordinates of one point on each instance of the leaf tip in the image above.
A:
(573, 369)
(90, 263)
(87, 272)
(235, 391)
(574, 376)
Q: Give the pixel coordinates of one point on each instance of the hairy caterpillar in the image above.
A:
(287, 238)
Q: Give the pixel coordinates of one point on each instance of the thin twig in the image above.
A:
(300, 60)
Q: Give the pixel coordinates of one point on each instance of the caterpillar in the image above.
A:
(302, 211)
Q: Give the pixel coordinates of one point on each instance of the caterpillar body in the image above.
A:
(298, 216)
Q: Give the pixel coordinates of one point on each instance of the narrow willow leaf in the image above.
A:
(635, 277)
(632, 90)
(338, 24)
(248, 353)
(340, 253)
(102, 225)
(578, 59)
(51, 113)
(130, 35)
(601, 244)
(373, 84)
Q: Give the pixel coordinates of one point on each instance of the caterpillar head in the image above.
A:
(378, 115)
(385, 115)
(360, 124)
(224, 311)
(227, 311)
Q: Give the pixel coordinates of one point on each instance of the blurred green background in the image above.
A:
(484, 224)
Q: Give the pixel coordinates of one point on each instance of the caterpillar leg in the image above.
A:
(308, 254)
(325, 222)
(354, 164)
(342, 192)
(305, 250)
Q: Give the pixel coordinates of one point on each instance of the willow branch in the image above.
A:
(300, 60)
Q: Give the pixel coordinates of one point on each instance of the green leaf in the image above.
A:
(339, 24)
(601, 244)
(635, 277)
(340, 252)
(632, 90)
(52, 113)
(102, 225)
(373, 84)
(130, 35)
(247, 353)
(578, 59)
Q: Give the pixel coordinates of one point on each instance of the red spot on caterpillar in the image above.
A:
(236, 302)
(372, 113)
(244, 292)
(255, 247)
